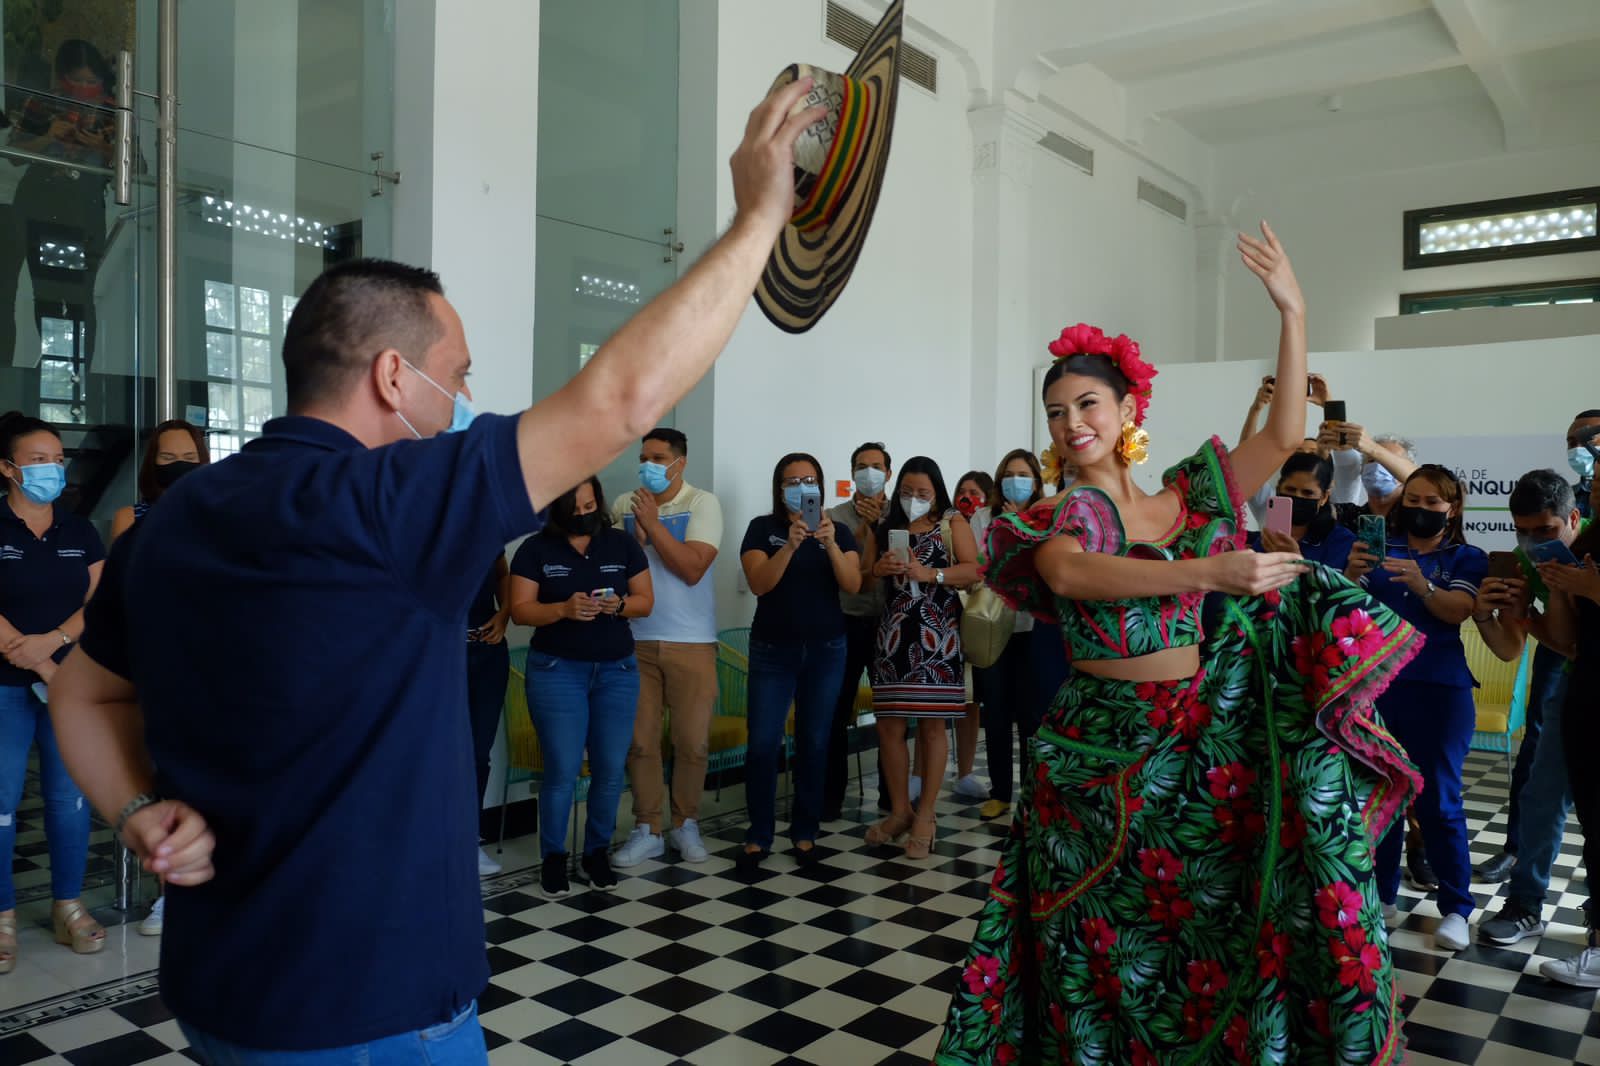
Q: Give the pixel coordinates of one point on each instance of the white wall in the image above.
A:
(1491, 390)
(890, 359)
(1344, 233)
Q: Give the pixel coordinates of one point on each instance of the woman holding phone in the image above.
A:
(1300, 518)
(1429, 575)
(917, 672)
(577, 582)
(796, 561)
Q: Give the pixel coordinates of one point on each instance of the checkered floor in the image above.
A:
(849, 961)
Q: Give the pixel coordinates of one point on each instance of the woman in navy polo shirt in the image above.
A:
(797, 649)
(1430, 575)
(50, 561)
(577, 582)
(1314, 533)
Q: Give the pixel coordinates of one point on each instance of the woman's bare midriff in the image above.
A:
(1169, 664)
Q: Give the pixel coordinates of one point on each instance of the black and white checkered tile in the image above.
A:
(847, 961)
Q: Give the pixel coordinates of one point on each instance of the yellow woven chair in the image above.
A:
(1501, 697)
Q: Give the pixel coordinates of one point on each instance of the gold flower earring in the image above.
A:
(1135, 445)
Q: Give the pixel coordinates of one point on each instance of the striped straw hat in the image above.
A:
(839, 164)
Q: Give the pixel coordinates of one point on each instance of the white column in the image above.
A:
(1004, 350)
(1213, 244)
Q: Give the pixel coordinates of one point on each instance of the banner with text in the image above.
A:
(1489, 468)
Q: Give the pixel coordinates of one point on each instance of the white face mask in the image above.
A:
(870, 481)
(1581, 461)
(915, 508)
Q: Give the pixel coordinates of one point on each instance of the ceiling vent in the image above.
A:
(851, 30)
(1162, 200)
(1079, 155)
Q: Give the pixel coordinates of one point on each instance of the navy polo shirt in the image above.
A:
(1333, 550)
(1454, 568)
(292, 618)
(804, 605)
(561, 572)
(43, 580)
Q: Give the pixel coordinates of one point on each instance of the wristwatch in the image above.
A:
(938, 577)
(135, 805)
(1429, 594)
(66, 639)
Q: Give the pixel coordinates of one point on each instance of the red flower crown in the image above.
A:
(1123, 352)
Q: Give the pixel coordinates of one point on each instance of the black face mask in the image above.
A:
(1305, 512)
(1423, 524)
(168, 474)
(586, 525)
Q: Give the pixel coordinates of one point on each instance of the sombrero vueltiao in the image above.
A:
(839, 164)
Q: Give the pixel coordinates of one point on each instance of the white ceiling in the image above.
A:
(1230, 71)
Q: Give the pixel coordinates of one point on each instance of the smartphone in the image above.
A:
(1373, 531)
(1552, 551)
(811, 511)
(1280, 515)
(1333, 411)
(602, 594)
(1504, 565)
(900, 545)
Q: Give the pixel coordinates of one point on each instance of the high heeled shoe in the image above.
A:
(920, 845)
(889, 829)
(8, 943)
(76, 928)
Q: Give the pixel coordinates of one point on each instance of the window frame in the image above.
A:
(1415, 219)
(1410, 300)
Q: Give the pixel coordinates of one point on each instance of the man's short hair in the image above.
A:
(672, 438)
(871, 446)
(353, 311)
(1405, 443)
(1539, 491)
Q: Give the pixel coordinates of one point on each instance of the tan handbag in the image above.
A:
(987, 624)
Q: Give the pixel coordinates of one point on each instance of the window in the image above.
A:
(1548, 224)
(1581, 291)
(61, 370)
(239, 363)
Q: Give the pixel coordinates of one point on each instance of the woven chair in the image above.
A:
(1501, 697)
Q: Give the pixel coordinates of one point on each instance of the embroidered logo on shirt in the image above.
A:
(557, 570)
(612, 568)
(69, 553)
(8, 552)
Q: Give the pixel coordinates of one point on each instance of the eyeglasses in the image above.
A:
(792, 482)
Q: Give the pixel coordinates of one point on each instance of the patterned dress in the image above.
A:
(1189, 877)
(916, 667)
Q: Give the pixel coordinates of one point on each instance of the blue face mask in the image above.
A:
(655, 477)
(1378, 481)
(1582, 463)
(1017, 490)
(870, 481)
(460, 418)
(43, 482)
(794, 496)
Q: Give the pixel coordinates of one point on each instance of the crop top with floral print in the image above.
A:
(1208, 523)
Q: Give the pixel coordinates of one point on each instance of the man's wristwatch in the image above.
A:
(135, 805)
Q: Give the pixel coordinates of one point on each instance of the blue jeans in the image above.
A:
(458, 1042)
(1547, 688)
(1434, 724)
(488, 669)
(807, 674)
(1542, 814)
(25, 721)
(576, 705)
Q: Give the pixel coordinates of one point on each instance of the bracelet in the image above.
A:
(135, 805)
(66, 638)
(1429, 595)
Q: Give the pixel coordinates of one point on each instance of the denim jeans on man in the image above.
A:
(577, 705)
(1546, 801)
(25, 721)
(806, 674)
(458, 1042)
(1547, 687)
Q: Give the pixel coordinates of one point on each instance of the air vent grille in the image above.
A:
(1079, 155)
(1162, 200)
(851, 30)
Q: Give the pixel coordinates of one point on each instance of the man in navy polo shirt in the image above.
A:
(280, 640)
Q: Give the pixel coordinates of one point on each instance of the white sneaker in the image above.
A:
(970, 788)
(686, 840)
(1580, 971)
(487, 867)
(151, 926)
(641, 845)
(916, 790)
(1390, 912)
(1452, 935)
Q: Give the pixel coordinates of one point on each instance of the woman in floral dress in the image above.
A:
(1189, 877)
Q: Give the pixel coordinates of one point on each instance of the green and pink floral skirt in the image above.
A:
(1189, 876)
